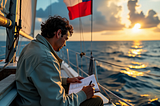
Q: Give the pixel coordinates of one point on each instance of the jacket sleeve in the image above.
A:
(47, 80)
(64, 81)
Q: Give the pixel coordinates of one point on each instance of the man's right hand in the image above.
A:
(89, 90)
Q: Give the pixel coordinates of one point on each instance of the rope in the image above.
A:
(110, 63)
(110, 100)
(100, 60)
(115, 95)
(11, 49)
(79, 69)
(6, 64)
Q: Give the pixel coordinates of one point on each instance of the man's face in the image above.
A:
(62, 41)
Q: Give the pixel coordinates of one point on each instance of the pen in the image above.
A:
(90, 83)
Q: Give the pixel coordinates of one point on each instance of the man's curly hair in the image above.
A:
(53, 24)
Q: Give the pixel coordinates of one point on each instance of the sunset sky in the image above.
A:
(112, 19)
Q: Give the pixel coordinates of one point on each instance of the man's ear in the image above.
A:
(58, 34)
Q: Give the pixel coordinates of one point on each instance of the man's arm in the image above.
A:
(48, 82)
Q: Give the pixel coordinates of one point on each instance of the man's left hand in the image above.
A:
(74, 80)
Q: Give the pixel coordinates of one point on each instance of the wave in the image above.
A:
(153, 103)
(121, 77)
(153, 68)
(147, 55)
(136, 57)
(101, 53)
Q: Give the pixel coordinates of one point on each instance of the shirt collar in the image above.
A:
(43, 40)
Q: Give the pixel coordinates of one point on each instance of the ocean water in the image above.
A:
(135, 75)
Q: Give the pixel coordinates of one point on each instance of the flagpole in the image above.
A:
(90, 71)
(91, 23)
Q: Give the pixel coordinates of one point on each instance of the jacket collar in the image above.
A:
(43, 40)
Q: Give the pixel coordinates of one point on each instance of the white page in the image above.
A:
(76, 87)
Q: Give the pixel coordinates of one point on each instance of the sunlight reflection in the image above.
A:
(133, 73)
(134, 52)
(122, 103)
(145, 95)
(151, 100)
(137, 44)
(137, 65)
(137, 50)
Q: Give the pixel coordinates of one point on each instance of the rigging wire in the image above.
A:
(113, 64)
(81, 38)
(51, 7)
(110, 63)
(83, 53)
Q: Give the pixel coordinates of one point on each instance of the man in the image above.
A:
(38, 76)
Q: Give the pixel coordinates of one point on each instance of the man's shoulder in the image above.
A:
(40, 51)
(35, 51)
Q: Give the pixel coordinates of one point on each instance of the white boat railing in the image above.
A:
(62, 55)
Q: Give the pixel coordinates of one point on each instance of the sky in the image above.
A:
(113, 20)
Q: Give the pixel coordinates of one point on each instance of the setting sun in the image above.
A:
(136, 27)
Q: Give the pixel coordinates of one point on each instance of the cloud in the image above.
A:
(155, 0)
(148, 21)
(157, 30)
(56, 8)
(38, 22)
(106, 16)
(108, 33)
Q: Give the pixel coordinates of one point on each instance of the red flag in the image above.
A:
(78, 8)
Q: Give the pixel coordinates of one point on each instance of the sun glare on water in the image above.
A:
(136, 27)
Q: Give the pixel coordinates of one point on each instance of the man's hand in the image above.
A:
(74, 80)
(89, 90)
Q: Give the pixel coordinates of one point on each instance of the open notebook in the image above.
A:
(76, 87)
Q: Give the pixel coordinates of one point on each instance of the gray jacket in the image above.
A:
(38, 77)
